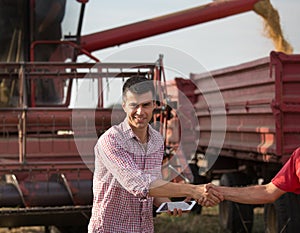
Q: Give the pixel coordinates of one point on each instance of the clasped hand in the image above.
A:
(208, 195)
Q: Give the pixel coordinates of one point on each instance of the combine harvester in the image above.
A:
(46, 147)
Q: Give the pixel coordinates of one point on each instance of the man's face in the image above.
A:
(139, 109)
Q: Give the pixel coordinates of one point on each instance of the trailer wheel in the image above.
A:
(270, 217)
(283, 215)
(234, 217)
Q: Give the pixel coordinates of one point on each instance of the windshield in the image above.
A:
(54, 21)
(12, 27)
(70, 22)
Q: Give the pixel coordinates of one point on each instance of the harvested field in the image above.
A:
(207, 222)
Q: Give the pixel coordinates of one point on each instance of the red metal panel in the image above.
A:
(50, 132)
(180, 128)
(180, 87)
(262, 110)
(247, 92)
(286, 69)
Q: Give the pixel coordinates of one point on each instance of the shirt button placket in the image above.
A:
(144, 212)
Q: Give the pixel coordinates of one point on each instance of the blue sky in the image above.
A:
(215, 44)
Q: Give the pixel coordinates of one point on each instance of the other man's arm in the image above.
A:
(257, 194)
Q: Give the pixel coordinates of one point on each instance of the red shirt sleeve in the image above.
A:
(288, 178)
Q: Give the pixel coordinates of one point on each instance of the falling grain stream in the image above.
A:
(272, 28)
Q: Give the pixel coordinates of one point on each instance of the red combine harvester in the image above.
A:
(46, 147)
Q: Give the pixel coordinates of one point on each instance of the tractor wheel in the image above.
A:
(234, 217)
(282, 216)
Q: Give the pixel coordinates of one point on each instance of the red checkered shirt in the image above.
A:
(122, 177)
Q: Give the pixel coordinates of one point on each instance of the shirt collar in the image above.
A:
(128, 132)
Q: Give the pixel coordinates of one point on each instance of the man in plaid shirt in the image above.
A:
(127, 177)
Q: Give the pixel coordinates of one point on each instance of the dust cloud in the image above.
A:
(272, 26)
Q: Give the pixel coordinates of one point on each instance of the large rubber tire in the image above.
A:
(282, 216)
(234, 217)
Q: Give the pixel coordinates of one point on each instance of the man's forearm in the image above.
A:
(159, 200)
(258, 194)
(160, 188)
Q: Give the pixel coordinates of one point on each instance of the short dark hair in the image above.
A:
(138, 85)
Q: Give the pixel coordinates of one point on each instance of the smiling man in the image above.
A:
(127, 177)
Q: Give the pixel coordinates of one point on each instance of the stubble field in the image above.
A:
(207, 222)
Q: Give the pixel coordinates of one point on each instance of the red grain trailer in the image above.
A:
(248, 126)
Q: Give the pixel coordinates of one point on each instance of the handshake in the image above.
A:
(207, 195)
